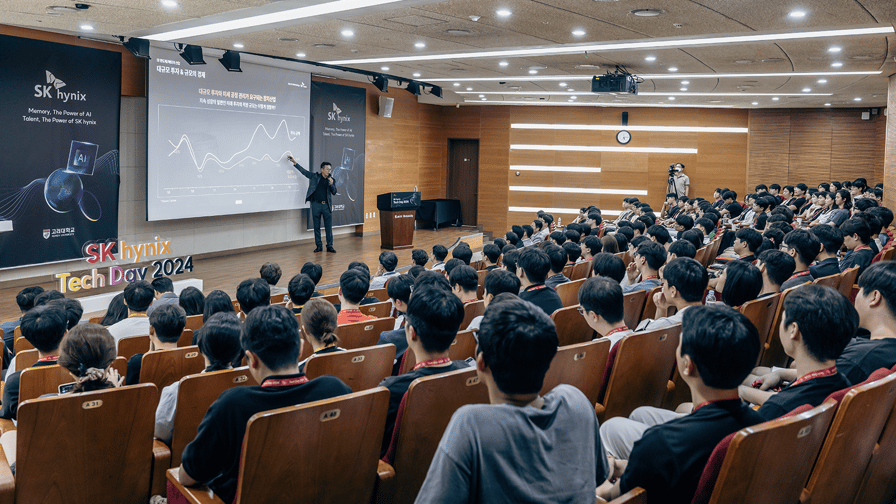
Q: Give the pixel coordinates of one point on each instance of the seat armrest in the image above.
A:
(198, 495)
(599, 408)
(384, 490)
(161, 462)
(384, 471)
(6, 425)
(7, 481)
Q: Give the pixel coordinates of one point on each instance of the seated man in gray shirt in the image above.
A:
(522, 447)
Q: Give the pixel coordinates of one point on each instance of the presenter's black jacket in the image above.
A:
(314, 180)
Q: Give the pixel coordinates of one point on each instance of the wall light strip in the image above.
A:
(265, 19)
(565, 169)
(672, 42)
(594, 104)
(579, 190)
(644, 93)
(607, 127)
(551, 78)
(602, 148)
(574, 211)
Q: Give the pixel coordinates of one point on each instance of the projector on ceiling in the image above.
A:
(614, 83)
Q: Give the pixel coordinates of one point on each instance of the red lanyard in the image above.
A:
(651, 277)
(863, 247)
(797, 275)
(831, 371)
(432, 362)
(284, 382)
(535, 287)
(471, 300)
(709, 402)
(48, 358)
(614, 331)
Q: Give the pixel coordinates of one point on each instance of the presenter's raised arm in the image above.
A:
(295, 163)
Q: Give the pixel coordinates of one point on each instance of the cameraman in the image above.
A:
(679, 183)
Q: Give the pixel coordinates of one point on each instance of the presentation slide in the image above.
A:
(217, 141)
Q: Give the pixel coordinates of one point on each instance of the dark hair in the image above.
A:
(572, 236)
(300, 288)
(414, 271)
(517, 229)
(463, 253)
(47, 296)
(163, 285)
(732, 195)
(802, 187)
(25, 297)
(73, 310)
(272, 333)
(509, 261)
(517, 342)
(319, 321)
(688, 276)
(671, 195)
(191, 300)
(704, 222)
(465, 276)
(683, 248)
(751, 237)
(621, 240)
(360, 266)
(500, 281)
(436, 315)
(595, 216)
(779, 266)
(116, 312)
(217, 301)
(451, 264)
(883, 214)
(168, 321)
(44, 326)
(400, 288)
(419, 257)
(500, 242)
(270, 273)
(863, 204)
(881, 277)
(782, 211)
(857, 226)
(860, 182)
(685, 221)
(610, 244)
(559, 237)
(761, 187)
(830, 237)
(573, 251)
(557, 256)
(764, 202)
(388, 260)
(626, 231)
(528, 230)
(219, 341)
(847, 199)
(88, 346)
(513, 238)
(743, 282)
(603, 296)
(648, 219)
(593, 244)
(439, 252)
(608, 265)
(253, 293)
(354, 284)
(138, 295)
(639, 226)
(537, 224)
(734, 209)
(314, 271)
(431, 278)
(492, 252)
(826, 319)
(774, 235)
(804, 243)
(653, 253)
(535, 264)
(722, 343)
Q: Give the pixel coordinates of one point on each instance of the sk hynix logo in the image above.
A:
(334, 115)
(53, 82)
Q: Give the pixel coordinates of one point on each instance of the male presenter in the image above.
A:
(321, 188)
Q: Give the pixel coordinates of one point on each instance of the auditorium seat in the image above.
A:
(21, 344)
(333, 458)
(702, 255)
(571, 326)
(771, 352)
(422, 418)
(569, 292)
(363, 334)
(580, 365)
(471, 311)
(649, 305)
(878, 484)
(378, 310)
(35, 382)
(768, 463)
(26, 358)
(633, 304)
(847, 281)
(132, 345)
(463, 346)
(482, 274)
(636, 495)
(360, 368)
(278, 298)
(832, 281)
(761, 313)
(107, 455)
(581, 270)
(640, 372)
(194, 322)
(333, 298)
(95, 320)
(567, 271)
(164, 367)
(186, 338)
(379, 294)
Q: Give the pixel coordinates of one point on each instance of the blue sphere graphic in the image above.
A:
(63, 190)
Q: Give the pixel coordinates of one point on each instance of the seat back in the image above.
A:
(463, 346)
(35, 382)
(333, 298)
(132, 345)
(278, 298)
(761, 313)
(195, 395)
(772, 353)
(832, 281)
(641, 371)
(86, 448)
(360, 368)
(378, 310)
(363, 334)
(571, 326)
(847, 279)
(333, 460)
(194, 322)
(649, 305)
(755, 468)
(21, 344)
(164, 367)
(379, 294)
(569, 292)
(471, 311)
(186, 338)
(633, 302)
(429, 404)
(26, 358)
(580, 270)
(857, 426)
(878, 484)
(567, 270)
(702, 254)
(580, 365)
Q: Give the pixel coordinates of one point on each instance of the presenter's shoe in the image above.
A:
(318, 249)
(331, 249)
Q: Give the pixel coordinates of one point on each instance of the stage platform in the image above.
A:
(225, 272)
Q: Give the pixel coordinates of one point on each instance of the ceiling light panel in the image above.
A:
(608, 127)
(603, 148)
(527, 78)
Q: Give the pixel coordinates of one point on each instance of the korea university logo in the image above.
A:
(46, 234)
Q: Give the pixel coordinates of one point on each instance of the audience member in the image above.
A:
(803, 246)
(399, 291)
(25, 301)
(137, 297)
(776, 267)
(591, 246)
(600, 302)
(532, 269)
(252, 293)
(439, 253)
(388, 263)
(166, 324)
(643, 271)
(508, 261)
(300, 289)
(217, 301)
(318, 329)
(608, 265)
(684, 281)
(738, 283)
(496, 283)
(609, 244)
(558, 258)
(116, 311)
(681, 248)
(856, 236)
(826, 263)
(315, 272)
(353, 285)
(192, 301)
(163, 289)
(492, 255)
(271, 273)
(419, 257)
(464, 282)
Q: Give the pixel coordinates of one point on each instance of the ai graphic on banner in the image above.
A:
(338, 119)
(59, 172)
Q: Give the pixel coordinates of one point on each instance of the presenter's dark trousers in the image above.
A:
(321, 210)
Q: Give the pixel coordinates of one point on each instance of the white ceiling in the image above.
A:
(463, 28)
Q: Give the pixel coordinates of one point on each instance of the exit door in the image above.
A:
(463, 177)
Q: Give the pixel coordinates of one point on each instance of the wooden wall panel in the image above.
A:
(810, 146)
(855, 145)
(889, 171)
(769, 146)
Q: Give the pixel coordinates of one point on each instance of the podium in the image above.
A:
(397, 216)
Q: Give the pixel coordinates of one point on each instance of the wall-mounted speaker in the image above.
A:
(386, 106)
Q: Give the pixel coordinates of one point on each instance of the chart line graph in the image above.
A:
(228, 164)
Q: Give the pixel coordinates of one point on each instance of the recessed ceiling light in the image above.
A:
(573, 97)
(837, 64)
(325, 46)
(806, 90)
(416, 74)
(238, 45)
(827, 104)
(671, 97)
(60, 9)
(650, 58)
(684, 82)
(533, 72)
(570, 89)
(857, 99)
(458, 32)
(348, 33)
(775, 99)
(469, 89)
(503, 64)
(169, 3)
(744, 61)
(287, 39)
(456, 84)
(683, 89)
(715, 101)
(578, 32)
(647, 12)
(384, 68)
(503, 12)
(419, 45)
(86, 27)
(482, 96)
(483, 99)
(562, 84)
(755, 103)
(797, 14)
(834, 49)
(300, 55)
(673, 69)
(822, 81)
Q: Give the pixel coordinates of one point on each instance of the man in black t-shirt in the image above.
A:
(321, 188)
(876, 306)
(166, 324)
(826, 262)
(532, 267)
(856, 237)
(271, 340)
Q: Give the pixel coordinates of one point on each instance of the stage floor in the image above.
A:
(226, 272)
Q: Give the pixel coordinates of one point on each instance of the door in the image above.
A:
(463, 176)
